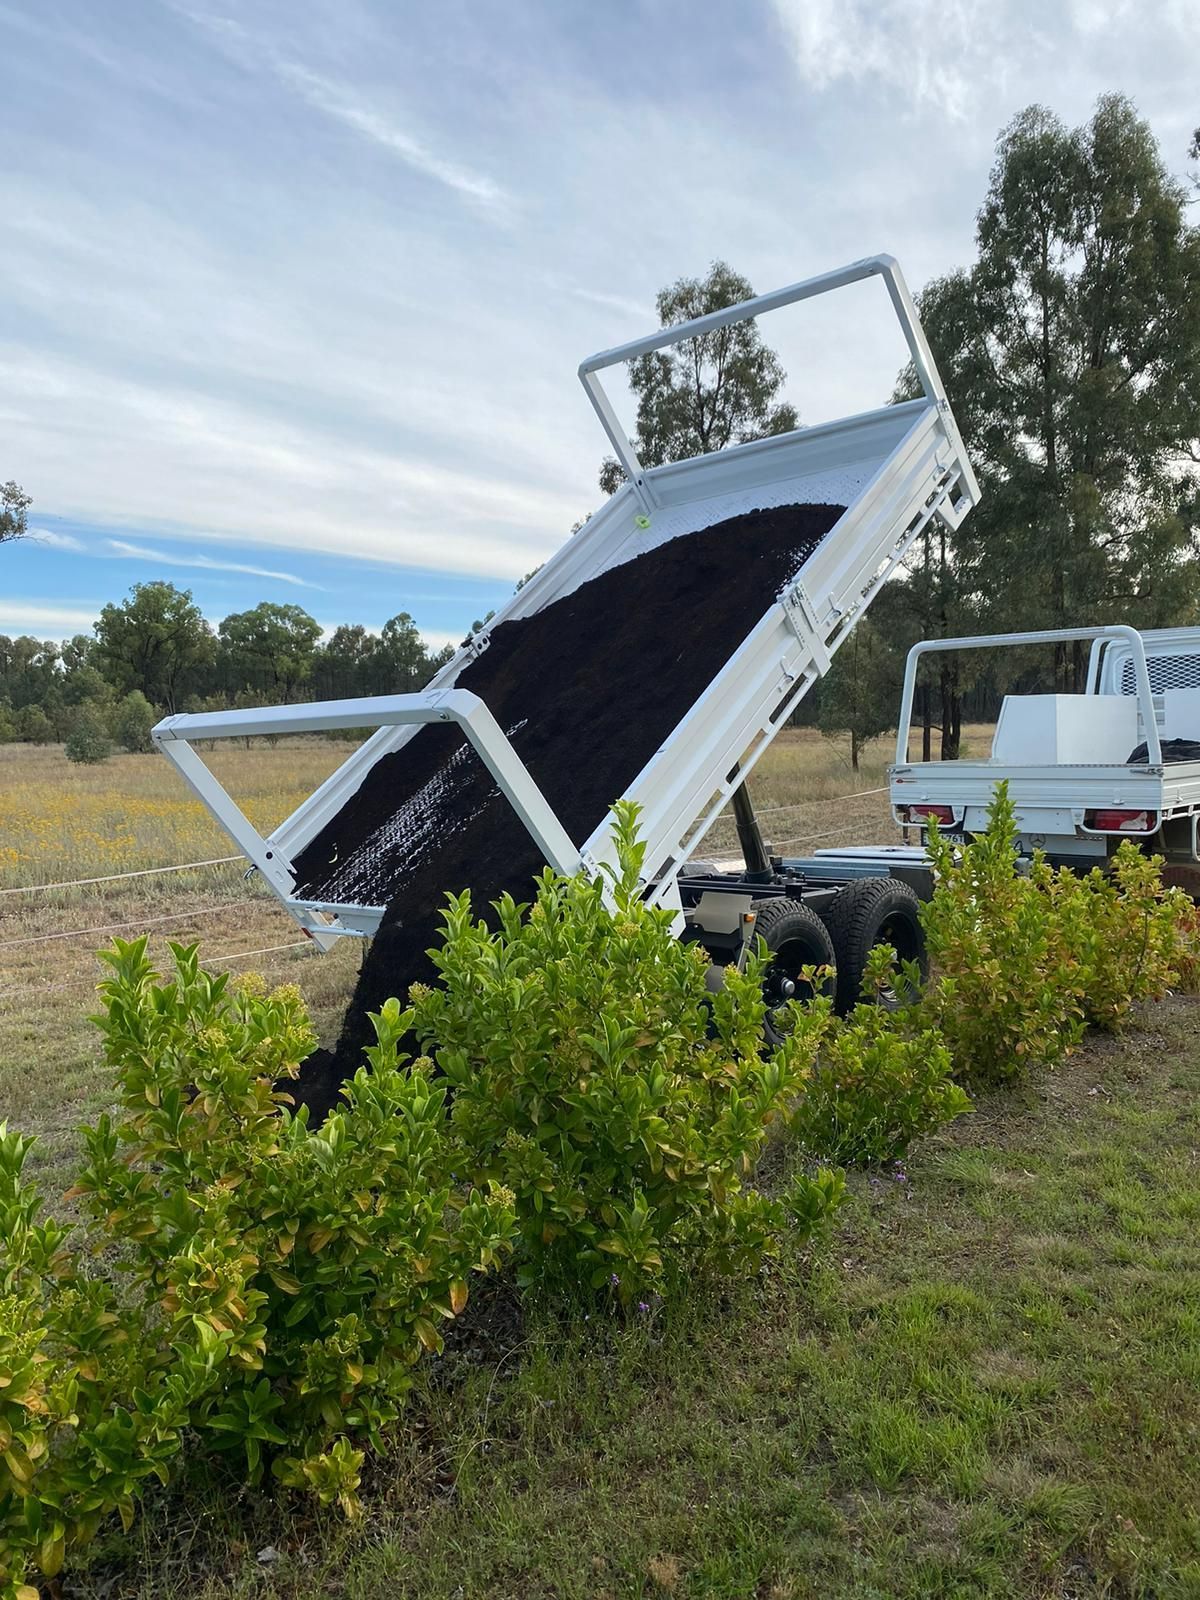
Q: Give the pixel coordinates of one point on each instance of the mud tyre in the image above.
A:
(796, 938)
(868, 912)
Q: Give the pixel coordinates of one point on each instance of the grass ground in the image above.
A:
(986, 1383)
(60, 821)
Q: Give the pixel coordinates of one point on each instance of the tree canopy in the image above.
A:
(707, 392)
(152, 641)
(269, 648)
(154, 653)
(1071, 351)
(14, 512)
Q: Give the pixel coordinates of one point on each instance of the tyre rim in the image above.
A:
(898, 931)
(785, 968)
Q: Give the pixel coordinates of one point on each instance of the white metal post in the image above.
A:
(884, 266)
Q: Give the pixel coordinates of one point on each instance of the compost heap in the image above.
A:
(587, 690)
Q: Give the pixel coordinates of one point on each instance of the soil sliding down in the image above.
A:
(587, 689)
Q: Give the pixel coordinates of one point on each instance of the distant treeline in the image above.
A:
(154, 653)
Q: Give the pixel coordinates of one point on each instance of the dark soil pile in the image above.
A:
(587, 689)
(1174, 751)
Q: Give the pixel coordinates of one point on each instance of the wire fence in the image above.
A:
(118, 877)
(28, 991)
(137, 922)
(224, 861)
(232, 906)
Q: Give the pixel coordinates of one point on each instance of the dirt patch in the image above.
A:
(587, 689)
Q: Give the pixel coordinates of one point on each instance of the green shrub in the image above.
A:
(34, 726)
(132, 721)
(279, 1282)
(1008, 994)
(596, 1078)
(881, 1081)
(88, 741)
(1131, 936)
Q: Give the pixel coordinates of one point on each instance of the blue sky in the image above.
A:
(292, 292)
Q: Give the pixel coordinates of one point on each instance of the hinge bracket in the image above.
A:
(802, 615)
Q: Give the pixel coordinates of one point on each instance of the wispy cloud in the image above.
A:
(283, 482)
(46, 622)
(58, 541)
(348, 107)
(137, 552)
(617, 302)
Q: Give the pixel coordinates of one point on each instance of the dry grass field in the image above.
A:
(63, 823)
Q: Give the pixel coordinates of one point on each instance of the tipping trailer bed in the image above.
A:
(893, 470)
(1067, 759)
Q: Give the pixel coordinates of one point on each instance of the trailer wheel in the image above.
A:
(796, 938)
(868, 912)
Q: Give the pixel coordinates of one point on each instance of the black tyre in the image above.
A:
(796, 938)
(868, 912)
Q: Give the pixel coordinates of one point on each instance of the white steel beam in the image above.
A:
(460, 706)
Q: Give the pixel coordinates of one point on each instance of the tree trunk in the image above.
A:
(853, 751)
(951, 710)
(926, 724)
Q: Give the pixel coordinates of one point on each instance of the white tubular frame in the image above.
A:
(883, 266)
(1131, 636)
(460, 706)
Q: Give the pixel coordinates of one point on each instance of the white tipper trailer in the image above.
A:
(897, 470)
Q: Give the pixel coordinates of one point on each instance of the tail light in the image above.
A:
(1121, 821)
(942, 815)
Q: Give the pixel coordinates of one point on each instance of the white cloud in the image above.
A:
(967, 59)
(57, 541)
(344, 106)
(349, 107)
(169, 455)
(437, 638)
(932, 51)
(229, 321)
(46, 622)
(137, 552)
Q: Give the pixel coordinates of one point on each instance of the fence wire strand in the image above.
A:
(137, 922)
(81, 982)
(117, 877)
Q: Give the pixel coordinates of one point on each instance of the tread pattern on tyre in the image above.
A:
(772, 916)
(854, 921)
(782, 919)
(771, 922)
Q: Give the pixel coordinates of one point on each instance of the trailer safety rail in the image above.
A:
(402, 710)
(1129, 636)
(883, 266)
